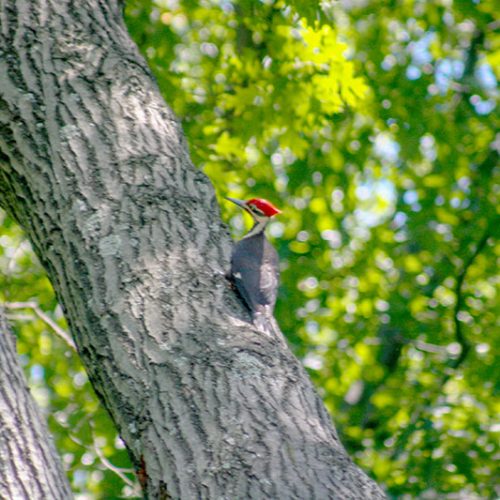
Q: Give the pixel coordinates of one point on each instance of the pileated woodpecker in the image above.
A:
(255, 264)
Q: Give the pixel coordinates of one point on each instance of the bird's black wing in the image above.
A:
(255, 270)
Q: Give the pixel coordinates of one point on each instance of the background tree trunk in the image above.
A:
(29, 465)
(94, 166)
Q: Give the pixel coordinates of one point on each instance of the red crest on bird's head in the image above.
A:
(264, 206)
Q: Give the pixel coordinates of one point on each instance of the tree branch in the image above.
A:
(61, 333)
(453, 364)
(459, 334)
(29, 465)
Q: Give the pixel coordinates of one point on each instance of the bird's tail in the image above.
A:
(264, 321)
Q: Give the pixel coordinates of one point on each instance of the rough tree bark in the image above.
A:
(29, 465)
(94, 166)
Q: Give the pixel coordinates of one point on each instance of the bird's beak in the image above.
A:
(240, 203)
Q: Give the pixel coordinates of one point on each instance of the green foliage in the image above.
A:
(372, 124)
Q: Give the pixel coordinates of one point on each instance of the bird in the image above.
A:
(255, 264)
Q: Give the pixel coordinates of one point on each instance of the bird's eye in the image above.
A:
(256, 210)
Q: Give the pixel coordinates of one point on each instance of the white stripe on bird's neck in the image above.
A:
(259, 226)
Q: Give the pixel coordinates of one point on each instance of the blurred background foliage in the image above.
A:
(373, 125)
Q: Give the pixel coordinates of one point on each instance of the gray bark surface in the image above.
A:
(29, 465)
(94, 166)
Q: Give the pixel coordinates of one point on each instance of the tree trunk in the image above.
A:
(29, 465)
(95, 168)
